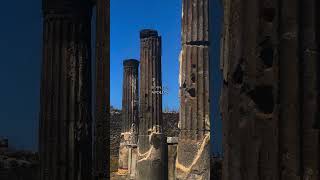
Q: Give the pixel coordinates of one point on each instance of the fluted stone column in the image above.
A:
(151, 162)
(65, 117)
(102, 91)
(130, 104)
(310, 83)
(193, 152)
(269, 100)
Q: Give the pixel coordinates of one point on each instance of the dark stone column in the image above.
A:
(130, 100)
(194, 142)
(151, 162)
(270, 90)
(289, 91)
(310, 83)
(65, 117)
(102, 104)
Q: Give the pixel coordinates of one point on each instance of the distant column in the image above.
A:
(194, 142)
(65, 138)
(130, 106)
(151, 162)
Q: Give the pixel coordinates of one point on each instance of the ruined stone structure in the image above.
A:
(193, 151)
(65, 137)
(269, 100)
(130, 105)
(151, 162)
(170, 120)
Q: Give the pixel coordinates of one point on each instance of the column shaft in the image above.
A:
(102, 84)
(151, 162)
(65, 115)
(129, 110)
(269, 98)
(194, 142)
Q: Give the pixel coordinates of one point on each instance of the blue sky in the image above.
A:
(127, 19)
(215, 76)
(20, 47)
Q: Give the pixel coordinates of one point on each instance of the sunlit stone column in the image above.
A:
(193, 151)
(151, 162)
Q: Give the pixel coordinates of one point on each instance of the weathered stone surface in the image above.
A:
(171, 120)
(172, 143)
(194, 141)
(65, 117)
(115, 131)
(151, 163)
(123, 153)
(172, 140)
(268, 101)
(132, 163)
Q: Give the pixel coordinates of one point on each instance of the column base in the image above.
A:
(132, 161)
(152, 161)
(193, 159)
(123, 153)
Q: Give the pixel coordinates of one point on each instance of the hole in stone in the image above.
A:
(149, 108)
(266, 53)
(184, 85)
(193, 66)
(263, 98)
(238, 75)
(145, 95)
(192, 92)
(193, 78)
(268, 14)
(266, 56)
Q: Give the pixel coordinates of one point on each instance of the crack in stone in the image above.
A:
(145, 155)
(198, 43)
(199, 153)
